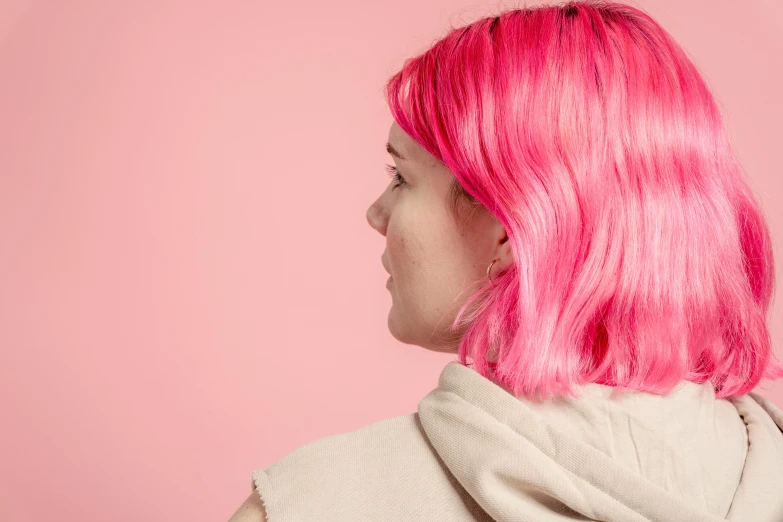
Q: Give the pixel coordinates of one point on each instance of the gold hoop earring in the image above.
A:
(489, 269)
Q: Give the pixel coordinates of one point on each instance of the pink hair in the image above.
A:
(641, 257)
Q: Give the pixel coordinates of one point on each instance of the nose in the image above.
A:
(378, 216)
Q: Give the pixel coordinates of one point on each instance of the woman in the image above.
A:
(568, 217)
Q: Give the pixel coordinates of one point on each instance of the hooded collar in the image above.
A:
(685, 456)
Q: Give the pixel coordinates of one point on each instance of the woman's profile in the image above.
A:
(567, 216)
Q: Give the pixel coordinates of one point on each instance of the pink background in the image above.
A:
(189, 287)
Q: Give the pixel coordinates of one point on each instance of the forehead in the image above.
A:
(399, 139)
(408, 147)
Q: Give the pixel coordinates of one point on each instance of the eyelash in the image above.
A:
(394, 173)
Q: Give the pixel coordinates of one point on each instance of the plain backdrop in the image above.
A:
(189, 288)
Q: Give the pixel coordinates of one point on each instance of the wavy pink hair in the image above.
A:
(641, 257)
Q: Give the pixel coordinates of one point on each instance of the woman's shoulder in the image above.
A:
(378, 439)
(321, 457)
(361, 475)
(251, 510)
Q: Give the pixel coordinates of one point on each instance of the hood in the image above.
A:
(685, 456)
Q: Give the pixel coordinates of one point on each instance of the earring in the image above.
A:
(489, 269)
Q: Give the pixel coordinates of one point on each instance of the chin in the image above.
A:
(403, 335)
(398, 330)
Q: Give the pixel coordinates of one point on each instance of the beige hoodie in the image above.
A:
(474, 452)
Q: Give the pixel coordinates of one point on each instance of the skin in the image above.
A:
(251, 510)
(432, 255)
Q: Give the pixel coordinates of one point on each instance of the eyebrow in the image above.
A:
(391, 150)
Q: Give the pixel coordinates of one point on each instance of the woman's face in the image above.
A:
(430, 255)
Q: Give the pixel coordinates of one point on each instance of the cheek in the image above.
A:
(421, 240)
(397, 248)
(420, 248)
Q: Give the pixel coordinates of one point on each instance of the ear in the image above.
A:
(503, 250)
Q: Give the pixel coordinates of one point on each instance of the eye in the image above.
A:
(394, 173)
